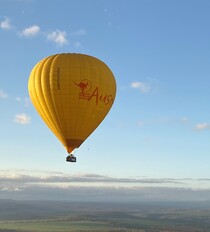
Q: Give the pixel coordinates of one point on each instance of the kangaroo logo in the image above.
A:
(85, 86)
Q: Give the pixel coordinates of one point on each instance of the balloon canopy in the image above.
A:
(72, 93)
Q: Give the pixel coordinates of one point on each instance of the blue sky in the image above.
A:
(159, 126)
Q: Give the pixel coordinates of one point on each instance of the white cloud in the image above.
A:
(3, 94)
(22, 119)
(142, 86)
(5, 24)
(202, 126)
(31, 31)
(58, 37)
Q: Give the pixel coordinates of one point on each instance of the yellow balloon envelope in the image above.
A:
(72, 93)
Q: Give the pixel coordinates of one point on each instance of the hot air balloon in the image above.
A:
(72, 93)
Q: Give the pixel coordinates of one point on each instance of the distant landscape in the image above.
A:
(44, 216)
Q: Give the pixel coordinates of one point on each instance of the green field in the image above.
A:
(68, 217)
(53, 226)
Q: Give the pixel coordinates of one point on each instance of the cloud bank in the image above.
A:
(93, 187)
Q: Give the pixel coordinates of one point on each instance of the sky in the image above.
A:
(154, 141)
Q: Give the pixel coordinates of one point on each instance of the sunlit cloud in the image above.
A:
(22, 119)
(58, 37)
(202, 126)
(142, 86)
(3, 94)
(31, 31)
(5, 24)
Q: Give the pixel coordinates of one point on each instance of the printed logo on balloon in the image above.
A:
(88, 92)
